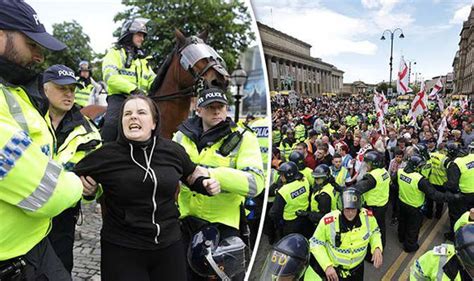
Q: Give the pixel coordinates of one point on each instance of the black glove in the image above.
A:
(454, 197)
(138, 92)
(301, 213)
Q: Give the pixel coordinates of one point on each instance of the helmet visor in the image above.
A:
(230, 256)
(281, 267)
(466, 257)
(350, 200)
(138, 25)
(193, 53)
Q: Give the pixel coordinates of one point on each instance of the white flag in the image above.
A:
(441, 128)
(436, 89)
(381, 108)
(402, 82)
(419, 103)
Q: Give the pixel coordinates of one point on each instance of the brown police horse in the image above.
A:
(176, 84)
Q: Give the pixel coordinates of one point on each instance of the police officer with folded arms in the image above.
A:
(75, 137)
(34, 188)
(231, 155)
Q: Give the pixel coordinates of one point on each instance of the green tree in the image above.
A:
(77, 42)
(228, 23)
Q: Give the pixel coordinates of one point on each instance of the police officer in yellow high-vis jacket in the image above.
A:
(460, 174)
(375, 187)
(341, 240)
(413, 188)
(298, 158)
(447, 261)
(86, 84)
(232, 156)
(75, 136)
(467, 217)
(126, 71)
(33, 188)
(291, 198)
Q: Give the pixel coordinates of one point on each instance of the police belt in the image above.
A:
(12, 268)
(345, 273)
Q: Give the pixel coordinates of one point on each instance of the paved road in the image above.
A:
(397, 263)
(87, 245)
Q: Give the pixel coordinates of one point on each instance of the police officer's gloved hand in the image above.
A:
(301, 213)
(138, 92)
(454, 197)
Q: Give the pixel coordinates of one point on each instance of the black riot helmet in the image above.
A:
(464, 243)
(414, 164)
(290, 171)
(297, 158)
(422, 150)
(374, 158)
(287, 260)
(209, 256)
(351, 199)
(323, 172)
(454, 150)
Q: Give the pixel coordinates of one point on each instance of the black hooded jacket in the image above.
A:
(136, 209)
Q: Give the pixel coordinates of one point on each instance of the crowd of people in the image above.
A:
(171, 209)
(337, 174)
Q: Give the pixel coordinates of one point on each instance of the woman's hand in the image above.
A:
(212, 186)
(90, 186)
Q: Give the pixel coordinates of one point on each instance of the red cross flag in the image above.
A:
(381, 108)
(402, 82)
(436, 89)
(420, 103)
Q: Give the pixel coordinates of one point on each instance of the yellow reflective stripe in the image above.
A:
(12, 151)
(15, 109)
(44, 190)
(252, 185)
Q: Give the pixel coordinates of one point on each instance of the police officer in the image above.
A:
(467, 217)
(34, 187)
(126, 71)
(292, 197)
(298, 158)
(288, 143)
(86, 84)
(323, 196)
(413, 187)
(460, 173)
(341, 240)
(232, 156)
(75, 136)
(446, 261)
(437, 177)
(375, 187)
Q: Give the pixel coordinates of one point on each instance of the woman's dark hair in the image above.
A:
(155, 111)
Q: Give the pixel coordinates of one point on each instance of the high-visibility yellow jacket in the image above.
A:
(296, 196)
(261, 127)
(430, 265)
(123, 80)
(82, 94)
(353, 244)
(466, 167)
(462, 221)
(33, 187)
(240, 175)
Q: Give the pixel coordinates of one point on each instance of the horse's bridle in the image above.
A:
(199, 82)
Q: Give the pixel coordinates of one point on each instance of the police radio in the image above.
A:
(231, 142)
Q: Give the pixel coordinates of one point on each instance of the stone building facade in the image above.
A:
(291, 67)
(463, 64)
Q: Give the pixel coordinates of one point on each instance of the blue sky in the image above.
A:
(347, 33)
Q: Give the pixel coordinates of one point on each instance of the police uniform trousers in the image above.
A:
(409, 224)
(62, 235)
(42, 264)
(109, 131)
(379, 214)
(430, 203)
(394, 201)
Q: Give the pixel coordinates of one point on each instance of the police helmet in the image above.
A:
(288, 259)
(297, 158)
(84, 65)
(414, 163)
(464, 242)
(351, 199)
(321, 171)
(453, 149)
(290, 171)
(133, 26)
(209, 256)
(422, 150)
(374, 158)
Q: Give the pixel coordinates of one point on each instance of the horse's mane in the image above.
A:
(160, 75)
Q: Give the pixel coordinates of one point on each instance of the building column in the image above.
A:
(270, 72)
(278, 74)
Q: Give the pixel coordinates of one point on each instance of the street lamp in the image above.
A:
(238, 78)
(391, 47)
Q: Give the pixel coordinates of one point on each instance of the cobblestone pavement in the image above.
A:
(87, 244)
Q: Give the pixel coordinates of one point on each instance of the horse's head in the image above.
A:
(200, 61)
